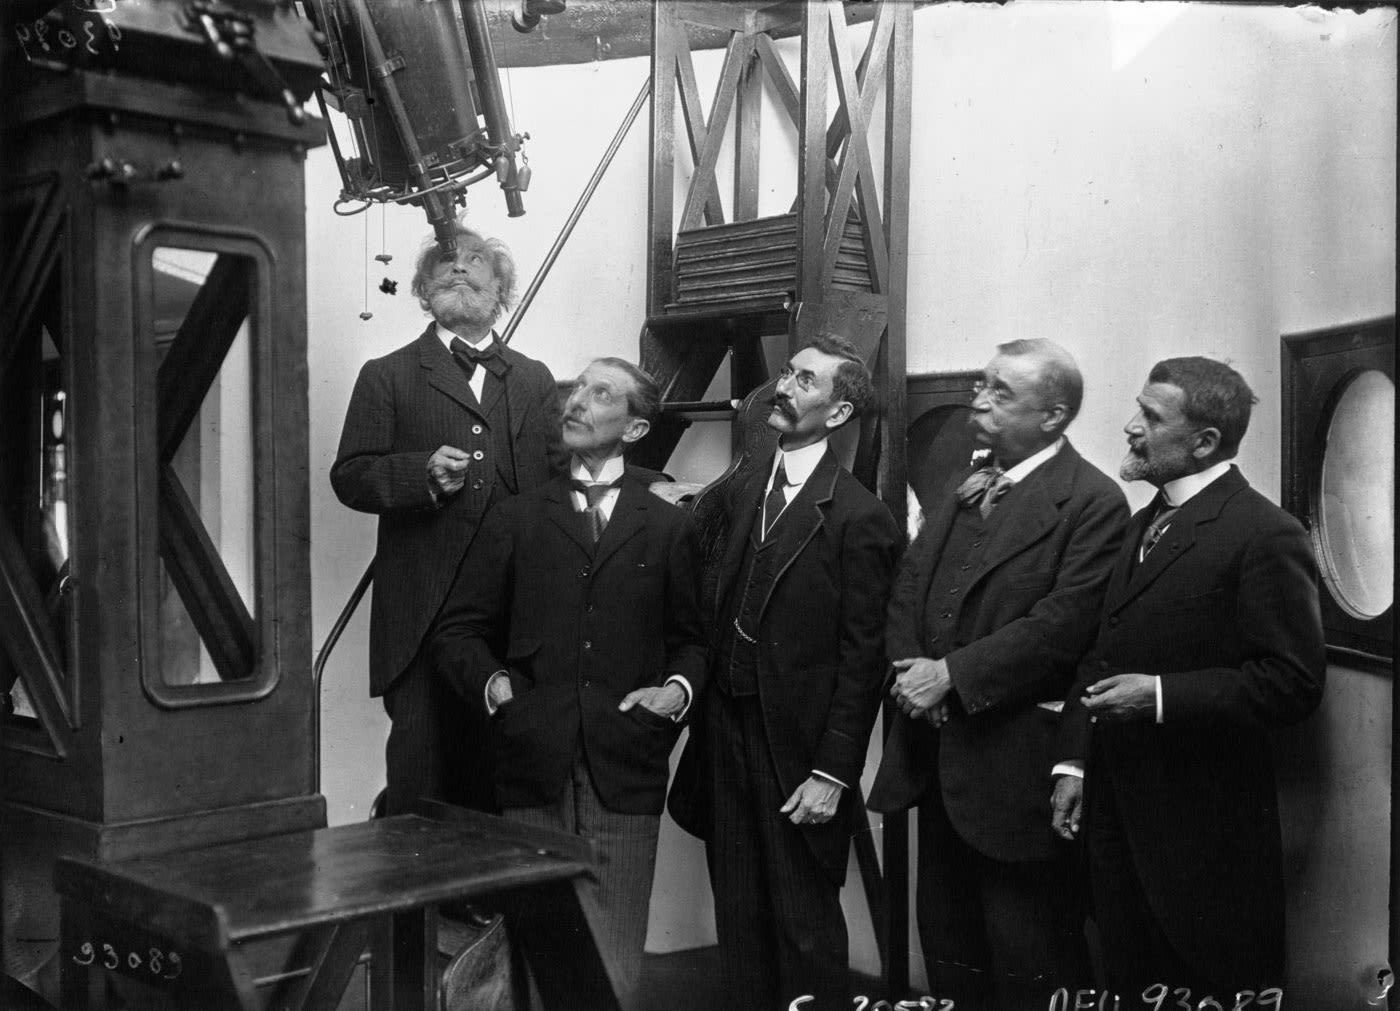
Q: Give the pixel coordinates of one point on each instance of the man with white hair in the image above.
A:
(435, 433)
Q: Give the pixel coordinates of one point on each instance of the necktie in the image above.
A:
(593, 511)
(776, 501)
(469, 357)
(1165, 513)
(983, 488)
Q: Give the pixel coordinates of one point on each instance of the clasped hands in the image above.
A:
(921, 688)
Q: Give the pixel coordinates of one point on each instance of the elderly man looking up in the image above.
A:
(435, 433)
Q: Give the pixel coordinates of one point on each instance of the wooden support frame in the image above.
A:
(31, 271)
(839, 193)
(220, 308)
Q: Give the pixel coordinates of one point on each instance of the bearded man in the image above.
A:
(1210, 638)
(435, 433)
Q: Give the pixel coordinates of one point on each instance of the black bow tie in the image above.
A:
(488, 355)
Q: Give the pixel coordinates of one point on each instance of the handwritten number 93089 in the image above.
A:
(39, 40)
(1161, 997)
(160, 964)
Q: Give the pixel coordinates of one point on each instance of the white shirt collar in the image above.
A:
(447, 336)
(1184, 489)
(612, 470)
(798, 464)
(1023, 469)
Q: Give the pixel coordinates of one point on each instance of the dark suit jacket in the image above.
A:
(404, 406)
(577, 629)
(1225, 609)
(820, 659)
(1025, 617)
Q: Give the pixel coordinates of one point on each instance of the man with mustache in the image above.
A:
(778, 747)
(993, 606)
(1210, 637)
(575, 621)
(435, 433)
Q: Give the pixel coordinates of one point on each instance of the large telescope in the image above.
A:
(417, 83)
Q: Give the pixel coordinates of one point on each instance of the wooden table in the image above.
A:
(176, 922)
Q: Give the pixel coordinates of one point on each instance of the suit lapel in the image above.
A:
(628, 519)
(444, 374)
(802, 518)
(1030, 510)
(494, 386)
(1123, 566)
(1179, 539)
(934, 533)
(562, 514)
(746, 505)
(518, 394)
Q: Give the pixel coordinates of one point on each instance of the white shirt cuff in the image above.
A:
(1158, 680)
(486, 694)
(689, 695)
(830, 779)
(1068, 769)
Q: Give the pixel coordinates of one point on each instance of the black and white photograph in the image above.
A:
(697, 505)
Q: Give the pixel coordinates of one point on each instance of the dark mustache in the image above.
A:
(782, 403)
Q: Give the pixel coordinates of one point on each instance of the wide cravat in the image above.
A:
(593, 512)
(776, 501)
(983, 488)
(468, 357)
(1165, 513)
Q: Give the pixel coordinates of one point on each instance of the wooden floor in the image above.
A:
(682, 980)
(689, 981)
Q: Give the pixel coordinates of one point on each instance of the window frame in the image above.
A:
(1318, 367)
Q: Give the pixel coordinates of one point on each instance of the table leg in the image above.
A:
(403, 961)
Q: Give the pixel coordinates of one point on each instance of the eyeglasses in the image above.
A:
(804, 379)
(996, 393)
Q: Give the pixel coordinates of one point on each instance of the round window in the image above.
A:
(1356, 498)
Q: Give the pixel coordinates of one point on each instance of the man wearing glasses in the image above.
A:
(779, 742)
(992, 608)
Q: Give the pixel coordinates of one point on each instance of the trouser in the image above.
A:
(996, 935)
(778, 914)
(616, 905)
(1137, 954)
(438, 747)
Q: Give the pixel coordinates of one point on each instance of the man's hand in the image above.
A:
(499, 692)
(666, 701)
(1122, 697)
(447, 469)
(920, 684)
(1066, 806)
(813, 803)
(938, 715)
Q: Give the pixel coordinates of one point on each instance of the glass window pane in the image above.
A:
(208, 574)
(1356, 504)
